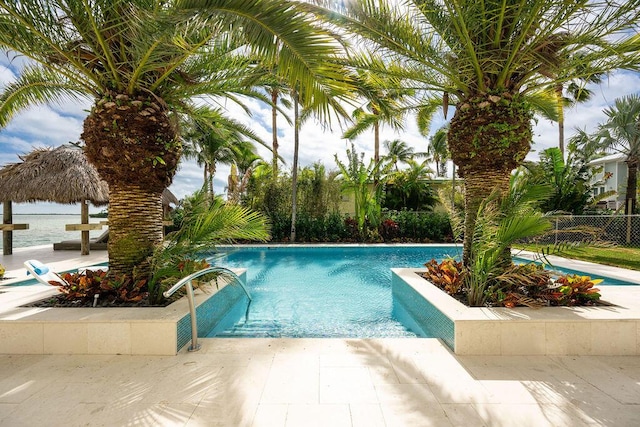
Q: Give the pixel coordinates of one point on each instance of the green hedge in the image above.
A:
(397, 226)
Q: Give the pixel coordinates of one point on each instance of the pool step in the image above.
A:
(253, 328)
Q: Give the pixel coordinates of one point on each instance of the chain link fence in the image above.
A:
(606, 229)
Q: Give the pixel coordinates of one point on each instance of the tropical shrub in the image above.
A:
(363, 182)
(448, 275)
(518, 285)
(207, 224)
(577, 290)
(570, 180)
(389, 230)
(335, 227)
(421, 226)
(408, 189)
(82, 288)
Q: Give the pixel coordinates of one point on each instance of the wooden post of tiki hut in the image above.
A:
(8, 226)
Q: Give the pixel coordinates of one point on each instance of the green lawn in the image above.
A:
(624, 257)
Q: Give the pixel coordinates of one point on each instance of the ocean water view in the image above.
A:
(47, 229)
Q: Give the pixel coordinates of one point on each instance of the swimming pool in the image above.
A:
(325, 291)
(321, 291)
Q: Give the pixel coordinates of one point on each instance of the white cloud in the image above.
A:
(41, 125)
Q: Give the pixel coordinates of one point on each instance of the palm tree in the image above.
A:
(399, 152)
(494, 61)
(211, 138)
(143, 62)
(585, 146)
(275, 87)
(294, 172)
(574, 93)
(383, 107)
(246, 159)
(621, 133)
(439, 151)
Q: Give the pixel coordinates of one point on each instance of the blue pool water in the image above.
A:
(325, 291)
(322, 291)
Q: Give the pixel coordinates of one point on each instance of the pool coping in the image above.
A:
(602, 330)
(95, 331)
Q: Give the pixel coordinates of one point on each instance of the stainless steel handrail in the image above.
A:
(192, 306)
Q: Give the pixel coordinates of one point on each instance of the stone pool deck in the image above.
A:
(314, 382)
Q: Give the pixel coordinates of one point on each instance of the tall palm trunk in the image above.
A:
(376, 147)
(489, 136)
(632, 185)
(134, 145)
(274, 132)
(560, 100)
(212, 171)
(205, 182)
(294, 174)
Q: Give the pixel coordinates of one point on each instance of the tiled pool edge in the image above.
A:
(107, 331)
(526, 331)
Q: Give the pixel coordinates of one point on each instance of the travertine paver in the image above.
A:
(307, 382)
(319, 382)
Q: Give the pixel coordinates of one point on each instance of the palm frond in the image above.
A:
(37, 86)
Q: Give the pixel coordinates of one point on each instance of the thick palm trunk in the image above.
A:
(134, 145)
(488, 137)
(477, 187)
(632, 185)
(135, 227)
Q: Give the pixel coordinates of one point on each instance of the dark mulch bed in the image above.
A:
(61, 301)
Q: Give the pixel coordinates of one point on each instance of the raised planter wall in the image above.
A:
(604, 330)
(139, 331)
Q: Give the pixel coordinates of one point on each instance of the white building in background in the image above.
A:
(613, 176)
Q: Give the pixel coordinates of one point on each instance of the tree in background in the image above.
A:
(398, 152)
(212, 139)
(245, 160)
(383, 96)
(408, 189)
(569, 182)
(621, 133)
(438, 149)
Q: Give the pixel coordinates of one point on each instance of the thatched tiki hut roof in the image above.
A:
(60, 175)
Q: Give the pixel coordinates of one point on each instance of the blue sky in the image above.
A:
(53, 125)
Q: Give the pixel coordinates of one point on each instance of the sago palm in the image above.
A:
(493, 61)
(143, 63)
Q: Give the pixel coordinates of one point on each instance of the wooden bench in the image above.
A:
(12, 227)
(83, 227)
